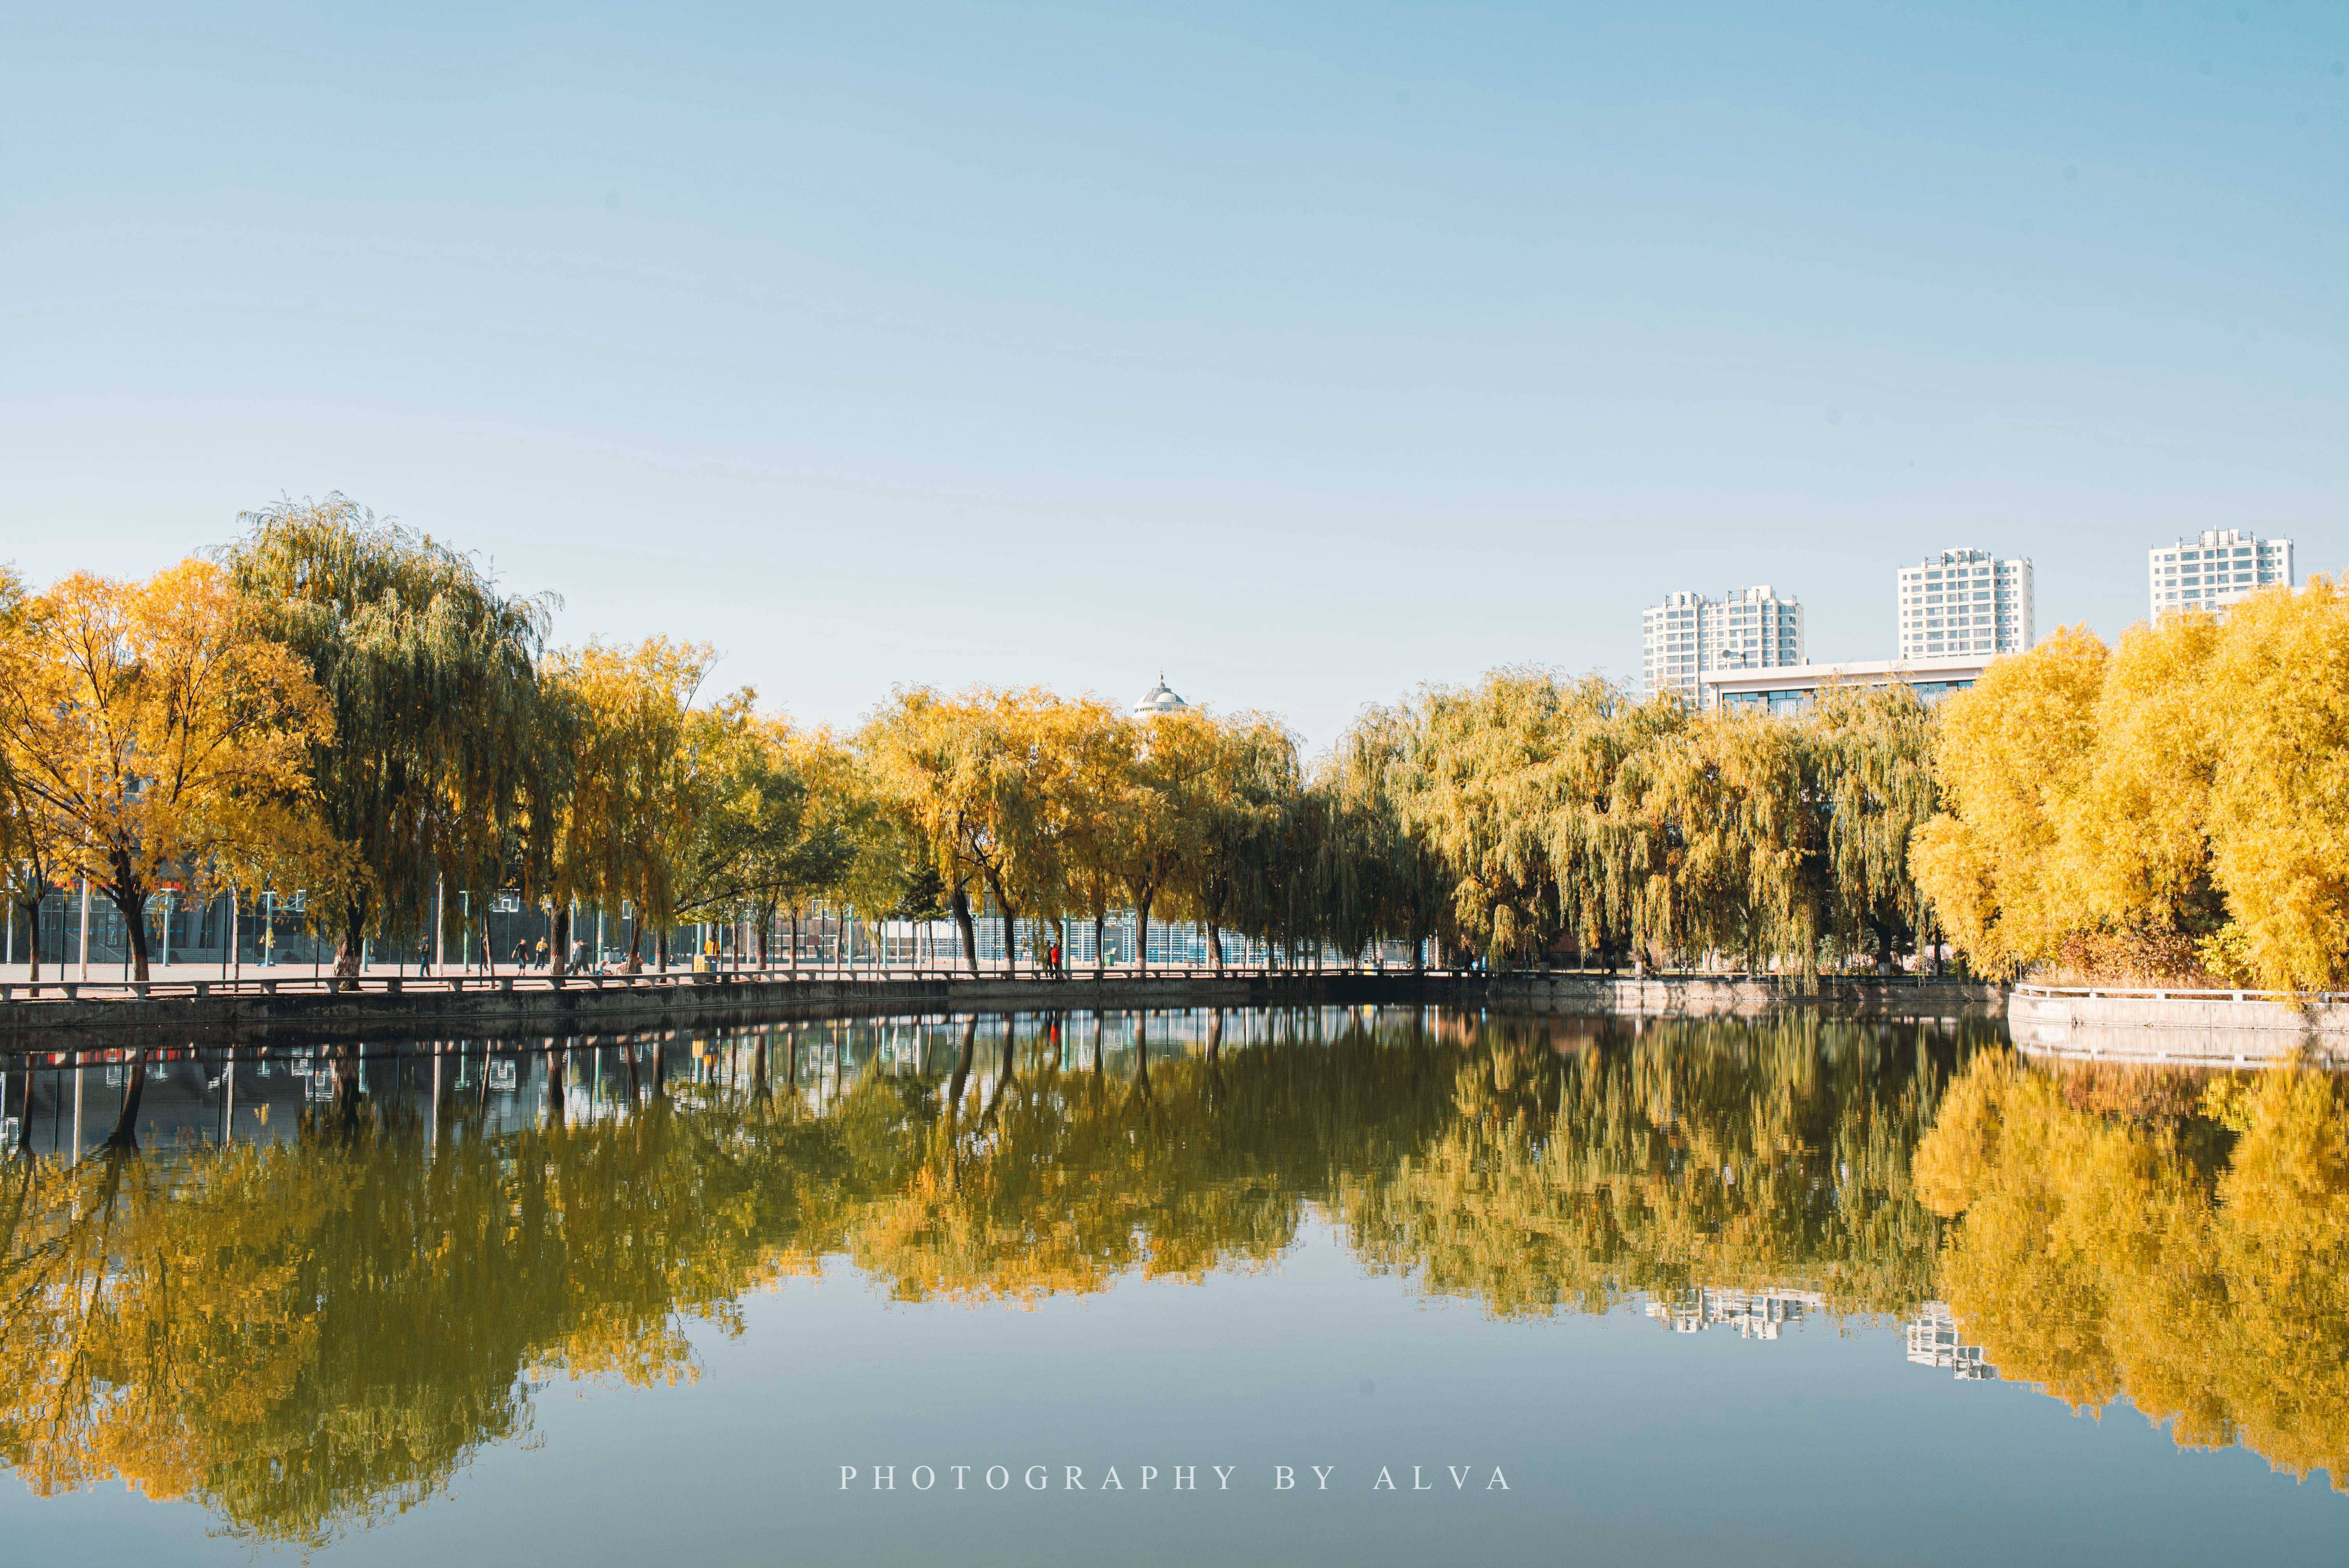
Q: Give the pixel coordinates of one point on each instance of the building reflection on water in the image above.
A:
(1754, 1314)
(1934, 1340)
(1932, 1336)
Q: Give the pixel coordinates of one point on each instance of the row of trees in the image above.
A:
(336, 703)
(1535, 816)
(339, 704)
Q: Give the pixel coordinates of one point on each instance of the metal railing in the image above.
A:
(537, 981)
(530, 981)
(2179, 994)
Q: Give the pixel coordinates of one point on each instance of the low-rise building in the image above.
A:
(1786, 690)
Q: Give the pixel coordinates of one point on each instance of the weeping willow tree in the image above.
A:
(1874, 750)
(1398, 875)
(430, 675)
(1528, 816)
(1249, 777)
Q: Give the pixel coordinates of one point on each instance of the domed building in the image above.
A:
(1160, 698)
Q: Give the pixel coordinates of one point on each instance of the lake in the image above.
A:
(1376, 1286)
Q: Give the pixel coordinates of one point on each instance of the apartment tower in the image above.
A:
(1965, 602)
(2217, 569)
(1689, 636)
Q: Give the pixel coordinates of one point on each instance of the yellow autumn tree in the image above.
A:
(969, 779)
(2279, 796)
(623, 820)
(34, 840)
(159, 733)
(2014, 762)
(2102, 1252)
(2175, 809)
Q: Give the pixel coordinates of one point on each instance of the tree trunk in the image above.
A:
(795, 939)
(558, 957)
(125, 1135)
(349, 942)
(962, 1065)
(1141, 932)
(660, 941)
(1002, 1076)
(968, 927)
(1215, 943)
(1010, 938)
(1099, 921)
(346, 1087)
(131, 903)
(636, 965)
(33, 937)
(555, 1106)
(766, 925)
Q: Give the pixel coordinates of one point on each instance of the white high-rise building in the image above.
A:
(1689, 636)
(2216, 570)
(1965, 602)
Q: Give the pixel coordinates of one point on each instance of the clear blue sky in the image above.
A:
(1311, 351)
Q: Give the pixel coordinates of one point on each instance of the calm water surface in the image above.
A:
(1794, 1291)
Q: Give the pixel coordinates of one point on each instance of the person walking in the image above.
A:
(539, 959)
(424, 960)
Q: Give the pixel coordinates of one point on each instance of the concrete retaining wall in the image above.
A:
(423, 1011)
(2203, 1029)
(420, 1011)
(1702, 996)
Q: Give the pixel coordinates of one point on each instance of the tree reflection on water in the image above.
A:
(314, 1323)
(2179, 1241)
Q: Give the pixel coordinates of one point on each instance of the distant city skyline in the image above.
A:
(1308, 355)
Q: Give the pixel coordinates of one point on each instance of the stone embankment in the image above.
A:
(54, 1012)
(1718, 996)
(2186, 1028)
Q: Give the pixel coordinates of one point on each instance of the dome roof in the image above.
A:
(1160, 698)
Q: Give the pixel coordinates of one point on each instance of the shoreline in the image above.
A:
(473, 1007)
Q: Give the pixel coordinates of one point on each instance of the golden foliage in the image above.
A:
(1684, 1156)
(2104, 1255)
(2177, 805)
(153, 732)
